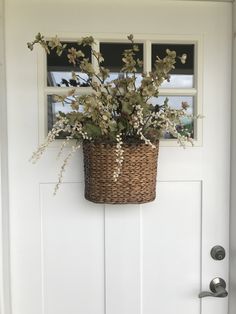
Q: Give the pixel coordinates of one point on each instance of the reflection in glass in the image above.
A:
(59, 70)
(65, 79)
(53, 109)
(183, 74)
(179, 81)
(175, 102)
(119, 75)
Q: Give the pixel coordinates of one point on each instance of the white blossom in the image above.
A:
(119, 157)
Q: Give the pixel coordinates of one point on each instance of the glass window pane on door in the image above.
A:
(176, 102)
(59, 70)
(113, 54)
(183, 74)
(54, 107)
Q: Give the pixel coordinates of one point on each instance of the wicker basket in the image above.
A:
(137, 181)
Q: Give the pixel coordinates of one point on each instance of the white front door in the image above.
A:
(69, 256)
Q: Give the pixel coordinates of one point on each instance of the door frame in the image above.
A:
(5, 297)
(232, 227)
(5, 278)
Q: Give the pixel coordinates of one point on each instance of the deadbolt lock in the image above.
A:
(218, 253)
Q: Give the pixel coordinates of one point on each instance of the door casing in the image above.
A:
(5, 299)
(232, 283)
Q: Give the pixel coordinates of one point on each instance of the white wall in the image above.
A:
(232, 298)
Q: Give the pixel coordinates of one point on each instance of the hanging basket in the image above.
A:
(136, 183)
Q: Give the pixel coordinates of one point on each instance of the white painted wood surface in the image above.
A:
(232, 300)
(171, 249)
(68, 255)
(5, 302)
(72, 252)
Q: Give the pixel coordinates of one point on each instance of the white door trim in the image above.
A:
(232, 301)
(209, 0)
(5, 299)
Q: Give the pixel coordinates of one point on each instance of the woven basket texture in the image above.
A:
(135, 185)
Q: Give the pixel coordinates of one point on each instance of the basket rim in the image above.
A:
(108, 143)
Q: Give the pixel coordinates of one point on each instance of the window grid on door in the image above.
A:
(193, 92)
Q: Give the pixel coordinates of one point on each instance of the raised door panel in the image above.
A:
(171, 241)
(72, 252)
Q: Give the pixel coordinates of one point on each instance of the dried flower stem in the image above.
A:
(119, 157)
(77, 128)
(62, 170)
(57, 128)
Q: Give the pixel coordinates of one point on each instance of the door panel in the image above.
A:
(72, 251)
(71, 256)
(171, 249)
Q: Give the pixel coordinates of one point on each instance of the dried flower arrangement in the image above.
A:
(117, 112)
